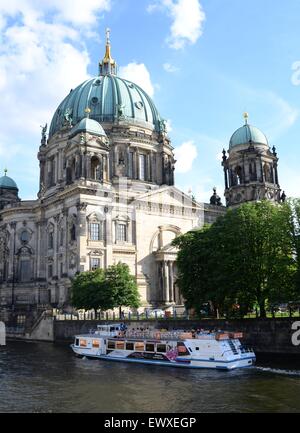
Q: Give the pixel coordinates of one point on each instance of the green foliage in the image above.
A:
(105, 290)
(244, 258)
(123, 286)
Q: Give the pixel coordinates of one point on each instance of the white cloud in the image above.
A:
(138, 74)
(170, 68)
(185, 155)
(80, 11)
(187, 20)
(42, 56)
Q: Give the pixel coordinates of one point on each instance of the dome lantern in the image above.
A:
(108, 66)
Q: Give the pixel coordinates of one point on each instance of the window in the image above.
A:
(161, 348)
(95, 263)
(73, 233)
(149, 347)
(25, 270)
(142, 159)
(83, 343)
(96, 344)
(95, 232)
(24, 236)
(111, 344)
(129, 346)
(61, 269)
(50, 271)
(139, 346)
(120, 345)
(50, 241)
(121, 232)
(130, 165)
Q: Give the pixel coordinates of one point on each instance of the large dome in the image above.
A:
(109, 98)
(247, 134)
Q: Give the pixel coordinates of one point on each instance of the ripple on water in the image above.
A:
(41, 377)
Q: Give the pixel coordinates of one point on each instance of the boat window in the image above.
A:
(83, 343)
(111, 344)
(139, 346)
(96, 343)
(129, 346)
(197, 348)
(77, 342)
(190, 349)
(161, 348)
(149, 347)
(182, 350)
(112, 328)
(120, 345)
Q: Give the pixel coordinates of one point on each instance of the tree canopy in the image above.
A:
(246, 258)
(105, 289)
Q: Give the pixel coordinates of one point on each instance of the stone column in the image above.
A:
(171, 279)
(166, 282)
(148, 167)
(226, 179)
(137, 164)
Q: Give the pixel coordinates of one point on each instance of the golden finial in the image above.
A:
(5, 171)
(88, 112)
(246, 117)
(108, 65)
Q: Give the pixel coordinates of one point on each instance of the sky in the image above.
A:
(204, 63)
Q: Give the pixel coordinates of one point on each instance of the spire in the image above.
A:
(108, 66)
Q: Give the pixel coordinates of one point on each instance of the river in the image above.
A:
(42, 377)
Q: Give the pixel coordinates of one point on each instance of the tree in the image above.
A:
(90, 291)
(245, 257)
(123, 286)
(105, 290)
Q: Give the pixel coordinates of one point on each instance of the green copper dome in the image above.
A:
(8, 183)
(88, 125)
(247, 134)
(109, 98)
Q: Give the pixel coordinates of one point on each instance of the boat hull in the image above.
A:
(187, 363)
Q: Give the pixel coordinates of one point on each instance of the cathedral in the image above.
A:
(107, 195)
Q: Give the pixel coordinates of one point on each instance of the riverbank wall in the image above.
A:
(280, 336)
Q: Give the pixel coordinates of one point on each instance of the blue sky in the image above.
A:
(204, 62)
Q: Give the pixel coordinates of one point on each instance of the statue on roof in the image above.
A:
(44, 136)
(215, 200)
(68, 117)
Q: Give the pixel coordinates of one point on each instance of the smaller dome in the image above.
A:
(8, 183)
(88, 125)
(248, 133)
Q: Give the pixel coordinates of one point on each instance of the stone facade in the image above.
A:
(94, 209)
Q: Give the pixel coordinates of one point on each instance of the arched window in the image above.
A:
(50, 237)
(25, 265)
(95, 231)
(121, 232)
(239, 175)
(24, 236)
(96, 172)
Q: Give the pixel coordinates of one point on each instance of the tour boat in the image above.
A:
(203, 349)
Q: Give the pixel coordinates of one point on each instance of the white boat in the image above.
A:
(218, 350)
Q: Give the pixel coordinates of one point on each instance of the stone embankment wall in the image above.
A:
(264, 335)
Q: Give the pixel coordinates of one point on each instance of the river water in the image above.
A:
(42, 377)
